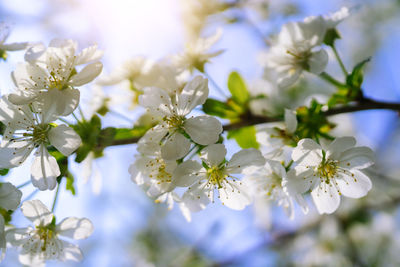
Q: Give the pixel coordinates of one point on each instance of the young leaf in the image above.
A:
(238, 88)
(245, 137)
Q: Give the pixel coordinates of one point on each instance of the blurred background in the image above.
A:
(130, 229)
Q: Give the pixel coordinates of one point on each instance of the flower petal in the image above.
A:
(37, 212)
(243, 159)
(204, 130)
(339, 145)
(75, 228)
(10, 196)
(354, 186)
(87, 74)
(318, 61)
(357, 158)
(14, 153)
(157, 101)
(176, 147)
(326, 198)
(195, 198)
(307, 152)
(213, 155)
(88, 54)
(235, 196)
(187, 173)
(44, 170)
(65, 139)
(290, 121)
(193, 94)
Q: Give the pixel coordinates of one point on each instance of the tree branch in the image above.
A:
(249, 119)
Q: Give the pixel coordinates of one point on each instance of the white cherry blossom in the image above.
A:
(203, 130)
(196, 53)
(267, 184)
(219, 175)
(46, 240)
(28, 129)
(330, 172)
(53, 69)
(296, 49)
(10, 197)
(4, 47)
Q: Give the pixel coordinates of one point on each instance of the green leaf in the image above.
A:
(70, 185)
(82, 152)
(4, 172)
(220, 109)
(238, 88)
(356, 77)
(245, 137)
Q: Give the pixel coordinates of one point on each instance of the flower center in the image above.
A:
(174, 121)
(216, 176)
(39, 133)
(327, 169)
(301, 58)
(45, 235)
(159, 171)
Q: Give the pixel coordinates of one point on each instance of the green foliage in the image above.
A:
(238, 88)
(4, 172)
(221, 109)
(356, 77)
(89, 132)
(245, 137)
(352, 91)
(235, 106)
(312, 122)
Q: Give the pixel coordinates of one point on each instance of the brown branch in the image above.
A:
(249, 119)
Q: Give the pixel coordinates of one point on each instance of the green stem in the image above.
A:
(24, 184)
(328, 78)
(339, 60)
(55, 198)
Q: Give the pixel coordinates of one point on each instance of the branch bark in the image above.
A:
(249, 119)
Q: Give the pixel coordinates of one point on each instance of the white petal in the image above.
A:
(75, 228)
(339, 145)
(290, 121)
(34, 52)
(307, 152)
(354, 186)
(44, 170)
(157, 101)
(65, 139)
(235, 196)
(196, 198)
(10, 196)
(193, 94)
(213, 155)
(87, 74)
(88, 54)
(298, 181)
(326, 198)
(318, 61)
(14, 46)
(187, 173)
(243, 159)
(71, 252)
(176, 147)
(66, 101)
(204, 130)
(356, 158)
(18, 236)
(3, 242)
(37, 212)
(288, 77)
(149, 144)
(13, 153)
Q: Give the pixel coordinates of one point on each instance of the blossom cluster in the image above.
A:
(45, 92)
(182, 156)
